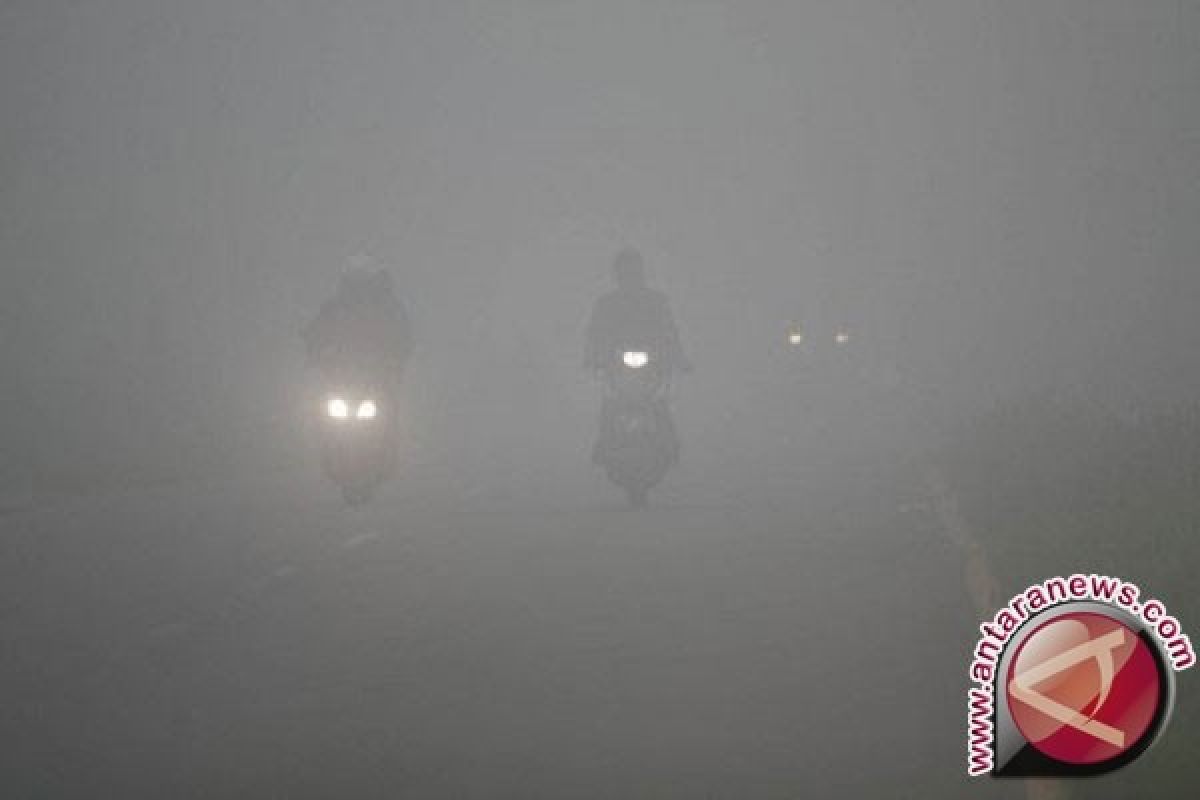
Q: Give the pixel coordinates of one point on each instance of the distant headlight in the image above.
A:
(842, 337)
(795, 338)
(635, 359)
(366, 410)
(337, 408)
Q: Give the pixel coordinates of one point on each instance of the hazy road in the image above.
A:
(261, 641)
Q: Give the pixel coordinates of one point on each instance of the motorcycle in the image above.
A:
(358, 431)
(637, 442)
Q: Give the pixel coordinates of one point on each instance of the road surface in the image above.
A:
(255, 639)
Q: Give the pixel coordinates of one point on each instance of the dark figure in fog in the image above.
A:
(364, 321)
(633, 318)
(359, 343)
(632, 313)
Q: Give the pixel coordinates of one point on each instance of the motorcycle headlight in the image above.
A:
(635, 359)
(337, 408)
(366, 410)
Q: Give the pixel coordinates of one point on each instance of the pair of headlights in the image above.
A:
(796, 337)
(338, 408)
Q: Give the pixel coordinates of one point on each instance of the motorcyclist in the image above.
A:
(360, 340)
(364, 321)
(633, 314)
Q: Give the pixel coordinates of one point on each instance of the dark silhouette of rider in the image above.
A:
(633, 316)
(364, 321)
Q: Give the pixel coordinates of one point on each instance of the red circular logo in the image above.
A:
(1084, 688)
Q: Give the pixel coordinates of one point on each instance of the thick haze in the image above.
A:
(994, 206)
(1001, 197)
